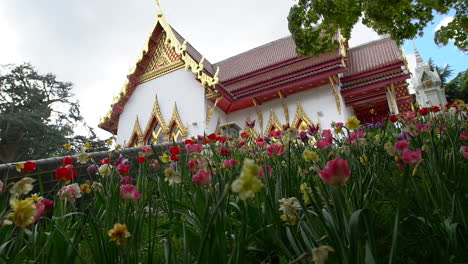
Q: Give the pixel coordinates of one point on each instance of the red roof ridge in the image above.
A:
(251, 50)
(368, 43)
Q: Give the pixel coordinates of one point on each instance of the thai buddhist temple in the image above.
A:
(174, 92)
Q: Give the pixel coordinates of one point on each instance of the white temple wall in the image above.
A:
(178, 86)
(318, 103)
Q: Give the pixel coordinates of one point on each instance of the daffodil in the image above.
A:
(110, 141)
(310, 155)
(119, 234)
(306, 193)
(35, 198)
(87, 145)
(352, 123)
(248, 183)
(67, 146)
(172, 176)
(165, 158)
(19, 167)
(23, 212)
(289, 207)
(105, 170)
(83, 157)
(23, 186)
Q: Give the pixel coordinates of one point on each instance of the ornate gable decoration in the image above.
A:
(161, 59)
(136, 138)
(301, 116)
(273, 123)
(176, 121)
(156, 115)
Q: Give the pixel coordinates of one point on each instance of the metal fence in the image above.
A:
(44, 174)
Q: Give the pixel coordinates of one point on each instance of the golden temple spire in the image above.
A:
(159, 8)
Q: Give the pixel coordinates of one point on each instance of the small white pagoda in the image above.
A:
(427, 84)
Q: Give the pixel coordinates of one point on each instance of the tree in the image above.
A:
(314, 23)
(444, 72)
(38, 114)
(458, 87)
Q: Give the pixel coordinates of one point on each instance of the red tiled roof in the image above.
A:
(373, 55)
(267, 55)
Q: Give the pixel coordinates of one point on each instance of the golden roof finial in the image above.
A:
(159, 8)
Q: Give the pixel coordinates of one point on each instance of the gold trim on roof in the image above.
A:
(211, 110)
(259, 113)
(136, 132)
(301, 116)
(285, 106)
(218, 126)
(156, 114)
(177, 121)
(335, 93)
(273, 122)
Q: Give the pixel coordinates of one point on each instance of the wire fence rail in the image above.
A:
(44, 174)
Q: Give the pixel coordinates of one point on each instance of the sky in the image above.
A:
(94, 44)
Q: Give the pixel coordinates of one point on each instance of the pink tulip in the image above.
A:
(202, 178)
(275, 150)
(229, 163)
(464, 151)
(336, 172)
(412, 157)
(40, 209)
(129, 192)
(127, 180)
(261, 172)
(1, 186)
(190, 148)
(464, 136)
(324, 142)
(401, 145)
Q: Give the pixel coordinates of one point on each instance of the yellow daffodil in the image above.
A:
(119, 234)
(23, 186)
(248, 183)
(110, 141)
(23, 212)
(363, 159)
(19, 167)
(35, 198)
(118, 147)
(85, 188)
(352, 123)
(67, 146)
(289, 207)
(310, 155)
(165, 158)
(87, 145)
(306, 193)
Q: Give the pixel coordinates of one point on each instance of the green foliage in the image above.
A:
(382, 214)
(38, 114)
(314, 23)
(457, 88)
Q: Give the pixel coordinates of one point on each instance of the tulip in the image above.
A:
(336, 172)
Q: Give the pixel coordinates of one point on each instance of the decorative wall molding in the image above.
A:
(177, 121)
(210, 111)
(301, 116)
(136, 138)
(156, 117)
(335, 93)
(273, 123)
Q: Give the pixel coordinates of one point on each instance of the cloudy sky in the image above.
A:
(95, 43)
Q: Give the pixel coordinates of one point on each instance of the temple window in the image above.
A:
(231, 130)
(175, 134)
(156, 136)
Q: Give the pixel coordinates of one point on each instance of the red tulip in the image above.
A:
(29, 166)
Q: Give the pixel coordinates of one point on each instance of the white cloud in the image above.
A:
(362, 34)
(444, 22)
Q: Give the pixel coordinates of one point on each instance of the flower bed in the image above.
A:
(386, 192)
